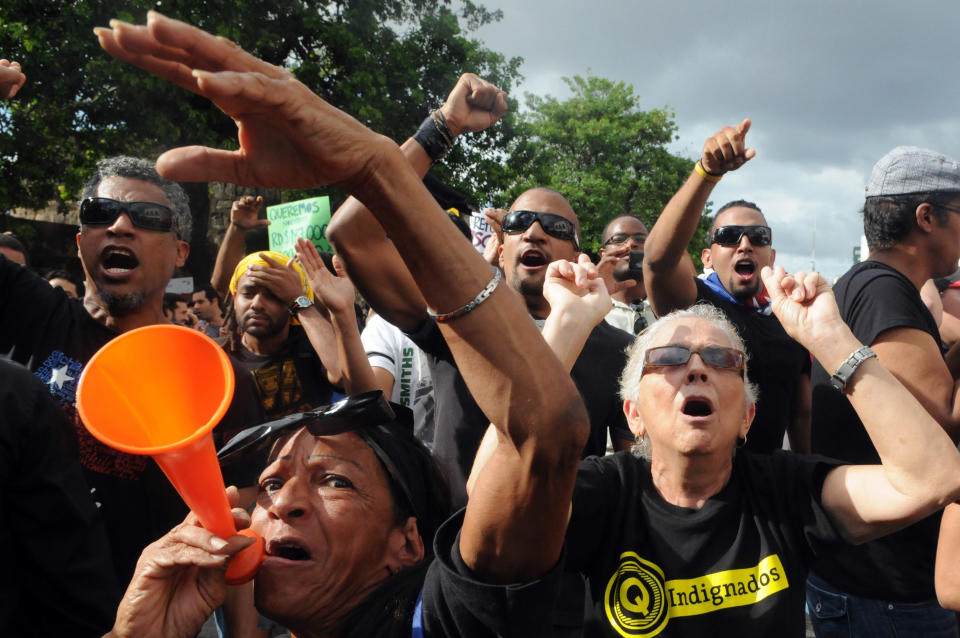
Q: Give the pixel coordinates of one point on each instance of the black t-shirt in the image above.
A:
(58, 576)
(289, 380)
(735, 567)
(460, 423)
(873, 297)
(55, 337)
(775, 363)
(458, 605)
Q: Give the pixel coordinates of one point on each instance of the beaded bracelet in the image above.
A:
(470, 305)
(702, 172)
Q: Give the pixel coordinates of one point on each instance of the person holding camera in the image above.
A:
(621, 259)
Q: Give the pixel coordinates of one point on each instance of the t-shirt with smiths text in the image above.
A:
(735, 567)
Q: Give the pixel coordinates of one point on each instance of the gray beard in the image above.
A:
(121, 305)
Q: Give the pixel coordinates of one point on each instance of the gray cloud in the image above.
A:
(830, 86)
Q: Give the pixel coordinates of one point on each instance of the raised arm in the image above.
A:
(920, 473)
(334, 293)
(244, 217)
(371, 258)
(667, 269)
(291, 138)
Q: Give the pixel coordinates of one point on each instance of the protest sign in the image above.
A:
(307, 218)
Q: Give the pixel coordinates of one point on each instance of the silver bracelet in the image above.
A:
(841, 378)
(470, 305)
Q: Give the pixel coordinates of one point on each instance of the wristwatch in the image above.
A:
(300, 303)
(844, 373)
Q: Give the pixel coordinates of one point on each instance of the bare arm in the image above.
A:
(578, 302)
(914, 359)
(371, 258)
(243, 218)
(291, 138)
(667, 270)
(920, 473)
(947, 577)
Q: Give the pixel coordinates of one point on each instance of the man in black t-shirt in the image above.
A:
(739, 246)
(134, 231)
(912, 225)
(270, 297)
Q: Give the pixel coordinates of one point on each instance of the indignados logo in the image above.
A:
(635, 599)
(640, 602)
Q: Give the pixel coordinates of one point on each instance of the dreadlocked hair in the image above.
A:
(231, 325)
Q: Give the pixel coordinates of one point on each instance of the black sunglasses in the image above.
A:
(731, 235)
(358, 411)
(102, 211)
(713, 356)
(554, 225)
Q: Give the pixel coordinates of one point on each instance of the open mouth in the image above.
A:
(117, 260)
(287, 549)
(745, 268)
(533, 259)
(697, 407)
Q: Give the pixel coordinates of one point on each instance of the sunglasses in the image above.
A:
(103, 211)
(731, 235)
(622, 238)
(554, 225)
(713, 356)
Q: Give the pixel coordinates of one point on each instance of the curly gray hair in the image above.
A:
(136, 168)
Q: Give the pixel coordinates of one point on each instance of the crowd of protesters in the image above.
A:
(453, 477)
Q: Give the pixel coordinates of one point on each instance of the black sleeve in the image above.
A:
(596, 496)
(28, 306)
(58, 578)
(429, 339)
(884, 301)
(457, 604)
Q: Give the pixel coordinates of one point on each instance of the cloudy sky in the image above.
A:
(830, 86)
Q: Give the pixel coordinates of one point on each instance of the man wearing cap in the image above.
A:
(739, 246)
(271, 297)
(911, 219)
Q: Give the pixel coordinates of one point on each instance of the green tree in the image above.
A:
(387, 62)
(602, 152)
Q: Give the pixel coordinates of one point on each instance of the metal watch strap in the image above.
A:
(845, 372)
(300, 303)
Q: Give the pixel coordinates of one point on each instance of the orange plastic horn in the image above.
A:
(160, 390)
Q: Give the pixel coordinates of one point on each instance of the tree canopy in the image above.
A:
(386, 62)
(602, 152)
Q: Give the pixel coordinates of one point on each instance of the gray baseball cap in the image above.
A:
(908, 169)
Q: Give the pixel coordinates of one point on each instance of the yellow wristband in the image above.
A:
(702, 172)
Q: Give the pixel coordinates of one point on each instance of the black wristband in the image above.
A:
(434, 137)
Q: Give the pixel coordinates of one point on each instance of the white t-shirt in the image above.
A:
(388, 348)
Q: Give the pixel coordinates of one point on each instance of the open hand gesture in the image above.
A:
(727, 150)
(288, 136)
(334, 292)
(245, 213)
(282, 280)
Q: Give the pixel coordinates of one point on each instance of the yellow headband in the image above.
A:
(254, 258)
